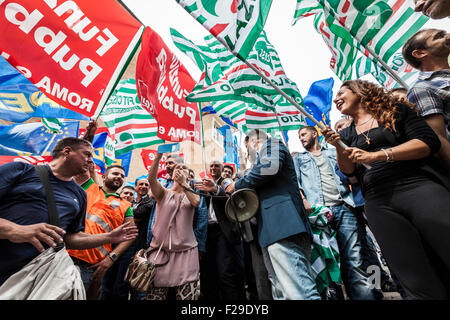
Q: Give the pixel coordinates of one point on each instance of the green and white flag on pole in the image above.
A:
(247, 116)
(343, 48)
(130, 126)
(237, 24)
(202, 56)
(325, 260)
(244, 80)
(306, 8)
(52, 124)
(234, 110)
(235, 80)
(401, 26)
(409, 75)
(238, 92)
(265, 119)
(381, 26)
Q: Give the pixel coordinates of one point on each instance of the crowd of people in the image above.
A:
(386, 195)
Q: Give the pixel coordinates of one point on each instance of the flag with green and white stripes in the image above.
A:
(325, 259)
(232, 109)
(236, 24)
(306, 8)
(243, 80)
(384, 26)
(343, 47)
(129, 125)
(364, 65)
(235, 80)
(238, 93)
(265, 119)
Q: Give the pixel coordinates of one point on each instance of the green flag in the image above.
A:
(365, 65)
(325, 260)
(226, 77)
(343, 47)
(130, 126)
(237, 24)
(383, 26)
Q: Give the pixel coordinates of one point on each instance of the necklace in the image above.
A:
(366, 135)
(359, 125)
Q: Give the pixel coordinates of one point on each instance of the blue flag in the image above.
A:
(229, 144)
(33, 138)
(21, 100)
(172, 147)
(227, 120)
(99, 154)
(320, 96)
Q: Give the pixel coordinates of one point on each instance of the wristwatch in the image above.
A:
(113, 256)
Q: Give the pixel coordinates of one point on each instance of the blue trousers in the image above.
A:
(354, 275)
(289, 269)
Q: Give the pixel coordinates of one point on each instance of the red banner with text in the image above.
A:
(162, 84)
(73, 51)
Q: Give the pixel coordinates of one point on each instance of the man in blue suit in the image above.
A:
(283, 230)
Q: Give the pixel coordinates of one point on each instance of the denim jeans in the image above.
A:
(289, 269)
(354, 275)
(92, 287)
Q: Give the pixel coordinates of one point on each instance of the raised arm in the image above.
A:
(181, 179)
(156, 187)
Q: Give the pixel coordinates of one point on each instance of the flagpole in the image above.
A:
(386, 67)
(288, 98)
(292, 101)
(49, 144)
(203, 139)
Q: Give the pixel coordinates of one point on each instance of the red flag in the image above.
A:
(148, 156)
(73, 51)
(203, 175)
(162, 84)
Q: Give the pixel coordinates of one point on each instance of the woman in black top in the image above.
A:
(406, 191)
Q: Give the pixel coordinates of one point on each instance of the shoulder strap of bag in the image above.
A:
(51, 204)
(168, 235)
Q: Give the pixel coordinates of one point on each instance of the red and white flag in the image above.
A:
(73, 51)
(162, 84)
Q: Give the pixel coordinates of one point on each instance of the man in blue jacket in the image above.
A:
(321, 186)
(283, 230)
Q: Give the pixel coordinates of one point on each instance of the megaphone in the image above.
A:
(242, 205)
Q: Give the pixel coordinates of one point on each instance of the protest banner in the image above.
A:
(162, 84)
(73, 51)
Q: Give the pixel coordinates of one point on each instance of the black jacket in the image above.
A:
(142, 211)
(229, 229)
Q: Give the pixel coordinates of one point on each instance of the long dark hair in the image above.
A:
(376, 101)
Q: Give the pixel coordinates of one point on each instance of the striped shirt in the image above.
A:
(431, 94)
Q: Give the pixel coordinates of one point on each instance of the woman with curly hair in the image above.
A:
(406, 190)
